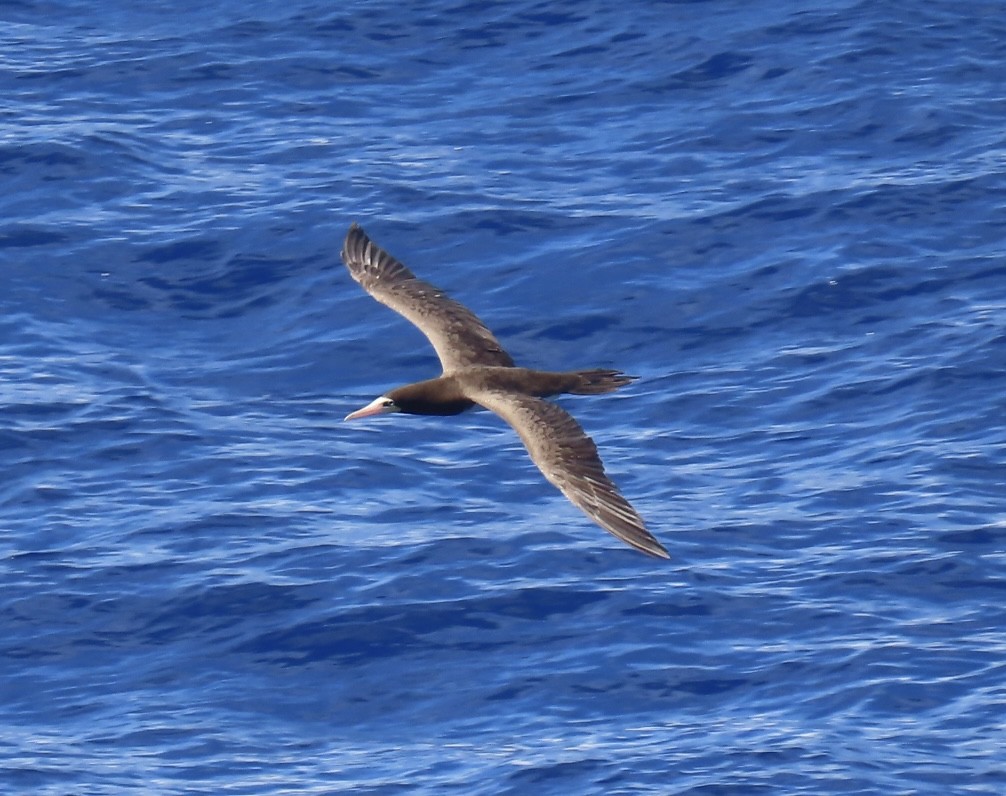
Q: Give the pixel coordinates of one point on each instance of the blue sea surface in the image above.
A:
(786, 218)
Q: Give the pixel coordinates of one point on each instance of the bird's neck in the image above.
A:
(440, 396)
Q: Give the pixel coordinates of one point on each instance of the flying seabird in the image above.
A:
(477, 371)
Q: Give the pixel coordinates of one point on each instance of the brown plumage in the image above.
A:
(477, 371)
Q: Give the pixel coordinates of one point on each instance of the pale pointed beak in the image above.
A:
(375, 407)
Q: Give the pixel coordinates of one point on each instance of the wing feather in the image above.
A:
(568, 458)
(457, 335)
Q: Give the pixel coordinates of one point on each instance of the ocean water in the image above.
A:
(786, 218)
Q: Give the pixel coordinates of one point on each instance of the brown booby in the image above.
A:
(477, 371)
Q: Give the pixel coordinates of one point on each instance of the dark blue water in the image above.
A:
(787, 218)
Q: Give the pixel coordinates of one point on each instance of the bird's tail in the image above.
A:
(594, 382)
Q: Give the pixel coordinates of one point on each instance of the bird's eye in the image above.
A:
(388, 402)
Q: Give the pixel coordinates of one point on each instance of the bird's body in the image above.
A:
(477, 371)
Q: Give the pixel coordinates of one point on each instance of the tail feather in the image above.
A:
(595, 382)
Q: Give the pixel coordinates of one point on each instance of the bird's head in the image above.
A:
(439, 396)
(379, 406)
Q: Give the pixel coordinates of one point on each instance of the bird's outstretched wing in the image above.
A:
(458, 336)
(568, 458)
